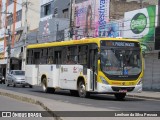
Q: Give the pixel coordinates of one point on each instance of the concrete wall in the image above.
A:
(33, 14)
(48, 29)
(59, 4)
(151, 80)
(117, 8)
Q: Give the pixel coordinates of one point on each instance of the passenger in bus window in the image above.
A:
(50, 60)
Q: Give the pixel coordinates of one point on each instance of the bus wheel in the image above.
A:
(120, 96)
(44, 85)
(45, 88)
(82, 90)
(74, 92)
(51, 90)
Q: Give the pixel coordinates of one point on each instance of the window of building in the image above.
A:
(46, 9)
(66, 13)
(19, 16)
(55, 11)
(9, 19)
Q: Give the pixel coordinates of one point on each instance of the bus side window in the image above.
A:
(36, 57)
(44, 55)
(50, 57)
(29, 56)
(72, 55)
(83, 52)
(58, 57)
(64, 55)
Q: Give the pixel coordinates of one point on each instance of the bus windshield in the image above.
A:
(121, 62)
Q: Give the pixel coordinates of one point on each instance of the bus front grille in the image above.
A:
(128, 89)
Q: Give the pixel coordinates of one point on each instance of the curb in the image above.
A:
(32, 101)
(145, 97)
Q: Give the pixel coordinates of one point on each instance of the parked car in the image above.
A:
(16, 77)
(2, 79)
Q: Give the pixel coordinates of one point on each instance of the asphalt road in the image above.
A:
(97, 101)
(11, 106)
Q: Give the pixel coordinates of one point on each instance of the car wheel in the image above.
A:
(14, 85)
(30, 86)
(23, 86)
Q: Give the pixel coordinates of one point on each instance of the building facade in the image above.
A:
(14, 17)
(54, 9)
(54, 20)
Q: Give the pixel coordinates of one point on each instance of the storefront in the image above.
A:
(3, 66)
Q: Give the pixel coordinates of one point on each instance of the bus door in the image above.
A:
(93, 62)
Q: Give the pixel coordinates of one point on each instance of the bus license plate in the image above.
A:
(123, 91)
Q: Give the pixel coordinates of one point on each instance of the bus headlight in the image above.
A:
(140, 82)
(103, 80)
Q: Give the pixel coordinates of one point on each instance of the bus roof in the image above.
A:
(76, 42)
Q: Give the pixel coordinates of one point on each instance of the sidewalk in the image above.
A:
(146, 94)
(56, 105)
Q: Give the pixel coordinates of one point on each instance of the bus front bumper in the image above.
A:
(112, 89)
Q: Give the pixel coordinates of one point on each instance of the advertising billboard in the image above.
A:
(112, 29)
(91, 18)
(140, 24)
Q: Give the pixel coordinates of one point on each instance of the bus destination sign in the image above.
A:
(119, 44)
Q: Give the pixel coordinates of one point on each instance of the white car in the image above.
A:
(16, 77)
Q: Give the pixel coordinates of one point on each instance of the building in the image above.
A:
(54, 20)
(54, 9)
(14, 17)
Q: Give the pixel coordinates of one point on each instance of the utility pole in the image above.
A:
(158, 13)
(57, 31)
(157, 34)
(9, 39)
(72, 11)
(70, 17)
(25, 31)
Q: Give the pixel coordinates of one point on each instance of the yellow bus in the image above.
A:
(86, 66)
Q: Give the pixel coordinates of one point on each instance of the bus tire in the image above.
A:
(74, 92)
(82, 90)
(120, 96)
(44, 85)
(45, 88)
(51, 90)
